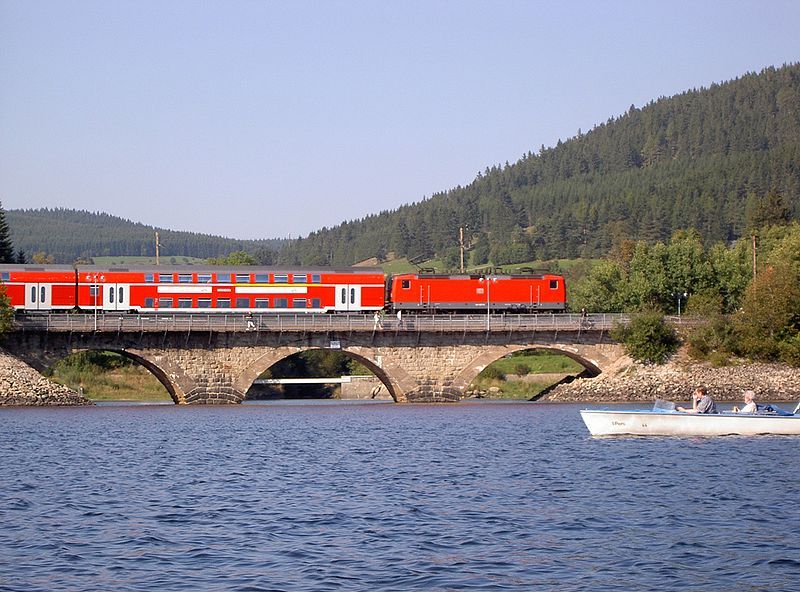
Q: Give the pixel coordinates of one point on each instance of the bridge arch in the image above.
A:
(492, 354)
(271, 357)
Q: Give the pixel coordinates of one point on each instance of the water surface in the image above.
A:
(386, 497)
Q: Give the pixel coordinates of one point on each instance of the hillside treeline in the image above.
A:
(704, 159)
(68, 235)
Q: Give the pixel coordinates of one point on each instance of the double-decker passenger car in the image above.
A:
(39, 287)
(170, 289)
(523, 292)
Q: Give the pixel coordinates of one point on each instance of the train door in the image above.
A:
(116, 297)
(38, 297)
(348, 297)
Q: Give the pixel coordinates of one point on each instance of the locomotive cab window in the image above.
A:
(553, 284)
(5, 276)
(405, 284)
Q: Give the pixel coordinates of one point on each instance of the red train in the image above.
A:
(176, 289)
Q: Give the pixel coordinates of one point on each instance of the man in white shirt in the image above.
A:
(750, 405)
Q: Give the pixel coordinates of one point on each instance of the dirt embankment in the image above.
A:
(675, 381)
(22, 385)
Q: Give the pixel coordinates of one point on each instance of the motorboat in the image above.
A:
(664, 420)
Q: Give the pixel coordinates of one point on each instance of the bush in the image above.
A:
(521, 369)
(492, 373)
(648, 338)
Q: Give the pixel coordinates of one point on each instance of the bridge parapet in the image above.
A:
(311, 323)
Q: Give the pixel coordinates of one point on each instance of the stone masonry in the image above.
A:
(219, 367)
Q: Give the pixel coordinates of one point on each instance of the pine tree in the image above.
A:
(7, 254)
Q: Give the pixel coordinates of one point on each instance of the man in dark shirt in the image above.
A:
(701, 402)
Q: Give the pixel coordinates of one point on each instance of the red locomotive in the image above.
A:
(524, 292)
(206, 289)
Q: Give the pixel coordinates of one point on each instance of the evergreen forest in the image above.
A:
(66, 236)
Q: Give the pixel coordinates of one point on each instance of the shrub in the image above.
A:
(521, 369)
(648, 338)
(493, 373)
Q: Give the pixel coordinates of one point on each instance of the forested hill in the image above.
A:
(70, 234)
(708, 159)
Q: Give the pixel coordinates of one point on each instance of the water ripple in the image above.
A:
(461, 497)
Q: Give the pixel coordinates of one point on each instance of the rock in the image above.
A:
(22, 385)
(675, 381)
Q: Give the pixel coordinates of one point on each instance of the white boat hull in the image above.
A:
(655, 423)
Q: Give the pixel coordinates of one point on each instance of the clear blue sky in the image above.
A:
(259, 119)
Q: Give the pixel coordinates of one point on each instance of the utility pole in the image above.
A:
(157, 247)
(461, 243)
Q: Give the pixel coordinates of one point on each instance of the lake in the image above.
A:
(325, 496)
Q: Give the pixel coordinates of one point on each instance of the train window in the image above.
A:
(262, 302)
(5, 276)
(94, 290)
(242, 303)
(223, 278)
(315, 303)
(204, 303)
(149, 278)
(120, 294)
(352, 295)
(184, 303)
(43, 294)
(280, 303)
(223, 302)
(298, 303)
(184, 278)
(165, 278)
(33, 293)
(111, 295)
(262, 278)
(553, 284)
(405, 284)
(203, 278)
(300, 278)
(316, 278)
(344, 296)
(149, 302)
(165, 303)
(281, 278)
(242, 278)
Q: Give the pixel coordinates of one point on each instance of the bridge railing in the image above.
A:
(310, 323)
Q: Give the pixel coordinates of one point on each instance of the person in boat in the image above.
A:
(701, 402)
(749, 403)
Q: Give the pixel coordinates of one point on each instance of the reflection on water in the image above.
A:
(284, 495)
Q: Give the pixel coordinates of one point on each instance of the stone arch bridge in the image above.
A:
(214, 359)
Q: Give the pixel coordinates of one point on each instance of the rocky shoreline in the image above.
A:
(675, 381)
(22, 385)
